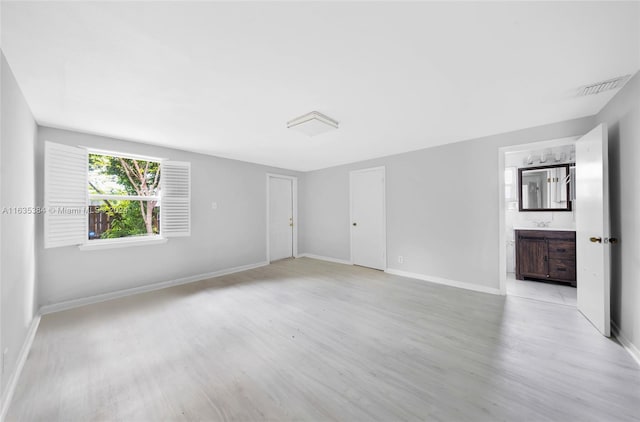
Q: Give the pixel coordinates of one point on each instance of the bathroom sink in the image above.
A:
(545, 228)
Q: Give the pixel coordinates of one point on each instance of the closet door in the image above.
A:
(368, 236)
(280, 218)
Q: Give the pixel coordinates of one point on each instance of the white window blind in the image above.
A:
(65, 195)
(175, 207)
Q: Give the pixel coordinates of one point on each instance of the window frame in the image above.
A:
(66, 198)
(126, 241)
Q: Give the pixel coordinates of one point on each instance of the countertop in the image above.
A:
(558, 229)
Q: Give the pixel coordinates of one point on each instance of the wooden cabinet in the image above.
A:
(546, 255)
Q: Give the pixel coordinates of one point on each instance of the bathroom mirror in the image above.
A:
(544, 188)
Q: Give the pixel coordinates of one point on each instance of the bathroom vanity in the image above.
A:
(546, 254)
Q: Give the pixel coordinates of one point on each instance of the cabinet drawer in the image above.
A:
(562, 269)
(530, 234)
(562, 250)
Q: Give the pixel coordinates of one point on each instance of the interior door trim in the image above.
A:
(384, 212)
(294, 199)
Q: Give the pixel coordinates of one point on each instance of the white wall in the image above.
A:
(17, 255)
(622, 115)
(231, 236)
(442, 206)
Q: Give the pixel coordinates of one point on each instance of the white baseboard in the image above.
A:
(628, 346)
(325, 258)
(74, 303)
(438, 280)
(15, 375)
(445, 281)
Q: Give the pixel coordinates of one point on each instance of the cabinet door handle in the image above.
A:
(595, 239)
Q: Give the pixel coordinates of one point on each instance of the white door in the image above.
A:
(592, 228)
(368, 237)
(280, 218)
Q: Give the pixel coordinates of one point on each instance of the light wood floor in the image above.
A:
(309, 340)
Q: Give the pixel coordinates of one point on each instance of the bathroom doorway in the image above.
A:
(538, 224)
(566, 240)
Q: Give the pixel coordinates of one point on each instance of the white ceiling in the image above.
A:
(224, 78)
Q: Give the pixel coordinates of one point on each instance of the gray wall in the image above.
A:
(17, 256)
(231, 236)
(622, 115)
(442, 206)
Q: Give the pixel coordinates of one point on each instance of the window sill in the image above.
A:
(101, 244)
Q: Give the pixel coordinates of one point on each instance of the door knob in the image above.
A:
(613, 240)
(355, 224)
(595, 239)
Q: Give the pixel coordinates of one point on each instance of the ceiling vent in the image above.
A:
(599, 87)
(313, 123)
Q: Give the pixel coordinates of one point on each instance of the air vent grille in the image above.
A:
(599, 87)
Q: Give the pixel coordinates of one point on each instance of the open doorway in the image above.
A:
(572, 247)
(538, 210)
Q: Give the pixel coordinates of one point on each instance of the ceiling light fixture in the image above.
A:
(313, 123)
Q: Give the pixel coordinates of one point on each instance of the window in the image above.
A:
(95, 199)
(124, 197)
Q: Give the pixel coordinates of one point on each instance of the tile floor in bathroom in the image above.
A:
(546, 292)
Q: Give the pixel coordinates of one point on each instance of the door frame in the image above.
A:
(384, 211)
(294, 200)
(502, 235)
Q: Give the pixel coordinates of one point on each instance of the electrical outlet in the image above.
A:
(400, 259)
